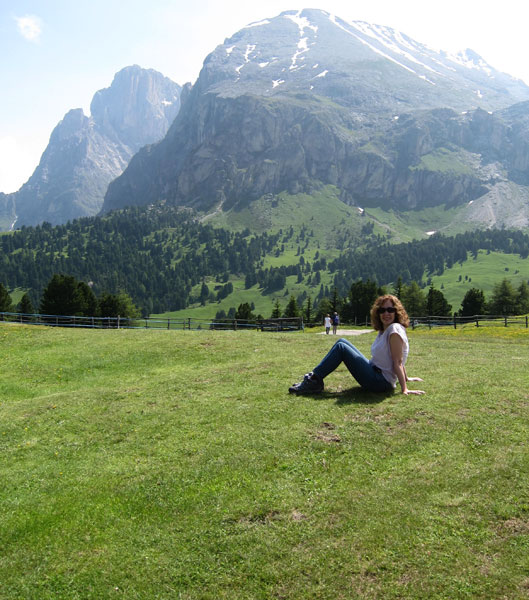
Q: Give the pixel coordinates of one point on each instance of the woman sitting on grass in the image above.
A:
(389, 353)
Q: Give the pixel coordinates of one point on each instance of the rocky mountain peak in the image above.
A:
(306, 98)
(73, 122)
(85, 153)
(366, 66)
(138, 107)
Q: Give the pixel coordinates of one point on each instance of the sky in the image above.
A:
(55, 54)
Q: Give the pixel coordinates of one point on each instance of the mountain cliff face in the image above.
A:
(85, 153)
(7, 211)
(306, 99)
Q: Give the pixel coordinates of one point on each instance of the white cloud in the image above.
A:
(29, 27)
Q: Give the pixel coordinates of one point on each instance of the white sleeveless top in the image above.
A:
(381, 353)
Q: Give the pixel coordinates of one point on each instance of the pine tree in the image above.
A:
(397, 288)
(26, 306)
(361, 297)
(414, 300)
(204, 294)
(6, 304)
(473, 303)
(335, 300)
(504, 300)
(276, 312)
(117, 305)
(244, 312)
(292, 308)
(523, 298)
(308, 311)
(436, 304)
(64, 295)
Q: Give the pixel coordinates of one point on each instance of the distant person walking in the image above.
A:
(335, 322)
(388, 355)
(328, 324)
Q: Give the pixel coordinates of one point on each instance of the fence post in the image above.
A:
(168, 324)
(455, 321)
(505, 321)
(526, 321)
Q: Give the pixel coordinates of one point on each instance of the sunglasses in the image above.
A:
(389, 309)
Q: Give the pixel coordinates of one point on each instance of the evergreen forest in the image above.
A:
(162, 256)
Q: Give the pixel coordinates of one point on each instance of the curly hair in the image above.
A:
(401, 316)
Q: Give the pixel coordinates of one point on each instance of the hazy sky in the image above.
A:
(55, 54)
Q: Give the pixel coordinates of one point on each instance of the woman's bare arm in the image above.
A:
(396, 346)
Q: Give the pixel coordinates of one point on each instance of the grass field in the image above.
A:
(483, 272)
(174, 464)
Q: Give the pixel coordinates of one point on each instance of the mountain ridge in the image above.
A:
(306, 99)
(292, 103)
(85, 153)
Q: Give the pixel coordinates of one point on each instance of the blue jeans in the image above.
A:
(360, 368)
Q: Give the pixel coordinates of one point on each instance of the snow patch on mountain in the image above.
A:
(249, 49)
(332, 18)
(257, 24)
(302, 46)
(424, 78)
(302, 22)
(387, 37)
(470, 60)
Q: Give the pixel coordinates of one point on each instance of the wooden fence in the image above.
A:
(284, 324)
(476, 321)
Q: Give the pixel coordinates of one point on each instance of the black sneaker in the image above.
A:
(310, 385)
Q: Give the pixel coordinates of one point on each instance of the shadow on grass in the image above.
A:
(357, 395)
(354, 395)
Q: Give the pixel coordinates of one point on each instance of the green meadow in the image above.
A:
(482, 272)
(145, 464)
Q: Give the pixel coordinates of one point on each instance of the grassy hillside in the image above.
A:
(406, 226)
(162, 256)
(156, 464)
(322, 213)
(483, 272)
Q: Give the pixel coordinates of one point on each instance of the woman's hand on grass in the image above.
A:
(414, 392)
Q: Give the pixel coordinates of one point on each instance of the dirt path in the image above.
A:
(342, 332)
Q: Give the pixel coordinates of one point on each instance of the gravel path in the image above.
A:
(342, 332)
